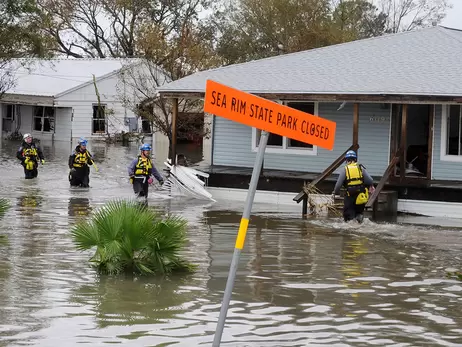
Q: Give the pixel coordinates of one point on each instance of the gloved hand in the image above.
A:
(150, 180)
(161, 182)
(131, 179)
(43, 161)
(73, 169)
(333, 196)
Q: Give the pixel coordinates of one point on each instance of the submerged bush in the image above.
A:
(129, 237)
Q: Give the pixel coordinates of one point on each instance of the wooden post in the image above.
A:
(305, 207)
(430, 141)
(402, 165)
(174, 122)
(355, 124)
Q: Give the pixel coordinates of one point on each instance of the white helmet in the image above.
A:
(26, 136)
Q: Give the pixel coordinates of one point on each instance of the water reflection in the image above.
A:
(30, 201)
(79, 207)
(132, 301)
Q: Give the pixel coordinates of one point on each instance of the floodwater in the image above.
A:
(316, 282)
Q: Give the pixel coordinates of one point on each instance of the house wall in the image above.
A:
(233, 142)
(83, 99)
(443, 170)
(63, 124)
(25, 120)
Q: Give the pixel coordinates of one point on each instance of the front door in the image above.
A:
(418, 141)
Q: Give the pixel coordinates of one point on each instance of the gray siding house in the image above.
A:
(396, 96)
(55, 99)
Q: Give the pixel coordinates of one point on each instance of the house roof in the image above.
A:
(425, 62)
(52, 77)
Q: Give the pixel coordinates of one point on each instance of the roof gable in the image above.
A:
(53, 77)
(422, 62)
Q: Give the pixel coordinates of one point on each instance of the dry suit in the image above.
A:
(79, 165)
(29, 154)
(356, 181)
(140, 170)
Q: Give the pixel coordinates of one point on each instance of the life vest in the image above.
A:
(81, 158)
(143, 165)
(29, 152)
(355, 181)
(30, 157)
(354, 175)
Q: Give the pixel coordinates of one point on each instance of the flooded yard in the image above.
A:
(317, 282)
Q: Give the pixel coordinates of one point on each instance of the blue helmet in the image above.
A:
(350, 155)
(83, 141)
(145, 147)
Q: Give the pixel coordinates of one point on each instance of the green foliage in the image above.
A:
(129, 237)
(455, 275)
(4, 206)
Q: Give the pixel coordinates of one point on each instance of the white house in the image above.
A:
(56, 99)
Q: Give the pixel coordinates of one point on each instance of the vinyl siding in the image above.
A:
(233, 142)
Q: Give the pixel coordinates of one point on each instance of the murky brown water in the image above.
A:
(300, 283)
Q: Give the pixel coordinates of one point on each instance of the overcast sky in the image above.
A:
(454, 15)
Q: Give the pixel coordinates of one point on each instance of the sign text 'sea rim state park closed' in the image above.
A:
(260, 113)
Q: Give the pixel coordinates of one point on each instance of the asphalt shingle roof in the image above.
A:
(423, 62)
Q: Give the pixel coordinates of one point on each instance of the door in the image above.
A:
(418, 141)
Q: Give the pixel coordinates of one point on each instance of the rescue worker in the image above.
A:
(29, 154)
(79, 165)
(141, 171)
(356, 181)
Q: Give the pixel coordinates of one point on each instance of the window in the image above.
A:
(280, 144)
(99, 119)
(44, 119)
(451, 133)
(11, 112)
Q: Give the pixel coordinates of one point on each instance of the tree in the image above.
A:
(405, 15)
(19, 37)
(357, 19)
(252, 29)
(167, 59)
(167, 34)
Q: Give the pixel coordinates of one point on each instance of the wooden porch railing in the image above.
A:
(327, 172)
(384, 179)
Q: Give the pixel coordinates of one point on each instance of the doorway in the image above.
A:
(418, 141)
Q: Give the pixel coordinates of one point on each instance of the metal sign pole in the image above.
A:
(240, 237)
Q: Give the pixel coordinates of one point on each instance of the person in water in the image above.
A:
(356, 180)
(141, 171)
(79, 165)
(30, 154)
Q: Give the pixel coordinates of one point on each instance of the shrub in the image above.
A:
(129, 237)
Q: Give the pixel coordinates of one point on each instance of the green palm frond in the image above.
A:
(4, 206)
(132, 238)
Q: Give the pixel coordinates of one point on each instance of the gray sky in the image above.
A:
(453, 17)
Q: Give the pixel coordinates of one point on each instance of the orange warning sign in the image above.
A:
(260, 113)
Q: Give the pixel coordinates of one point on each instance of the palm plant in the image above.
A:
(4, 206)
(129, 237)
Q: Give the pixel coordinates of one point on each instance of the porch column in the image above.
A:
(403, 146)
(174, 121)
(1, 120)
(430, 141)
(355, 124)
